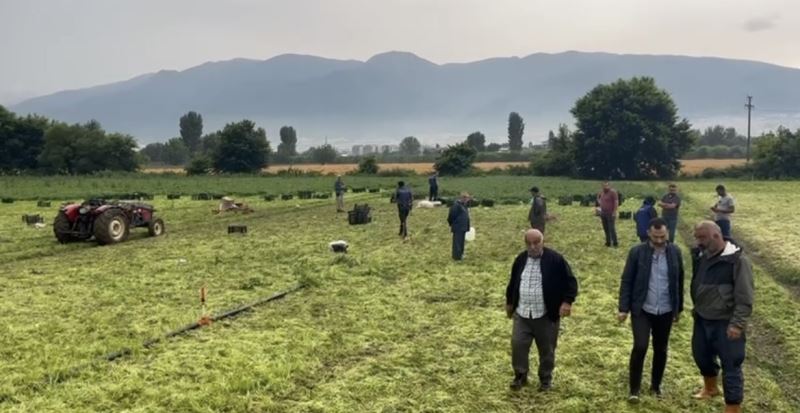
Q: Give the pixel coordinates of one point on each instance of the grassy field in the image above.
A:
(389, 327)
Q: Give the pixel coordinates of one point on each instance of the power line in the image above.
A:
(749, 107)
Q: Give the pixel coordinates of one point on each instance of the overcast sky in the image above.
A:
(51, 45)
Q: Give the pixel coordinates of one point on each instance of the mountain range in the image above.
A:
(396, 94)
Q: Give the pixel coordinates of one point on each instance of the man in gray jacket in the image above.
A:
(722, 291)
(538, 212)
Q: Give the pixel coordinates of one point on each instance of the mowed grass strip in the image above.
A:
(391, 326)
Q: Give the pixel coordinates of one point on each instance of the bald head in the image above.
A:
(534, 241)
(708, 237)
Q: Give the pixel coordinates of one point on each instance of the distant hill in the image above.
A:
(396, 94)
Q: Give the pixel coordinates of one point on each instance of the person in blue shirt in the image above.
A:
(643, 216)
(458, 219)
(433, 186)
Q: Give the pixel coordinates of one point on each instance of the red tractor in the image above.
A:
(107, 222)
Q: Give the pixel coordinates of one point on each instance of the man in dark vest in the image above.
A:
(433, 186)
(538, 212)
(458, 219)
(541, 290)
(405, 200)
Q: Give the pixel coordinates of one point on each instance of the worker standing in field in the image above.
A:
(651, 290)
(643, 216)
(670, 205)
(722, 210)
(433, 186)
(608, 201)
(538, 212)
(340, 188)
(722, 291)
(458, 219)
(405, 199)
(540, 291)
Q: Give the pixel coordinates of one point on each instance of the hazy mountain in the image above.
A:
(396, 94)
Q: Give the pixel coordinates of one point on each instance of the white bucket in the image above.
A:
(470, 234)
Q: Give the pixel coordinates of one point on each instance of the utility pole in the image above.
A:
(749, 107)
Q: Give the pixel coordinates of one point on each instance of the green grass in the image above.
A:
(389, 327)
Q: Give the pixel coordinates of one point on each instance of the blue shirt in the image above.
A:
(658, 300)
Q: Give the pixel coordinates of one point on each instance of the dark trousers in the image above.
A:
(709, 341)
(458, 245)
(542, 330)
(610, 229)
(725, 226)
(433, 193)
(538, 224)
(643, 325)
(672, 225)
(403, 213)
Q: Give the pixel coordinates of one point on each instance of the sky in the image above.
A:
(52, 45)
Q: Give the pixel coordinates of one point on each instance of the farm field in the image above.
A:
(388, 327)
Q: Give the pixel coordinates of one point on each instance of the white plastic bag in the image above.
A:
(470, 235)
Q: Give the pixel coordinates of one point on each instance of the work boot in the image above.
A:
(520, 380)
(710, 389)
(733, 408)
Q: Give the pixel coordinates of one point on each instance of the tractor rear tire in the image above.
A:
(156, 227)
(111, 226)
(62, 228)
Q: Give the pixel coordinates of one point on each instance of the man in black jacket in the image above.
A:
(404, 199)
(542, 289)
(458, 219)
(652, 291)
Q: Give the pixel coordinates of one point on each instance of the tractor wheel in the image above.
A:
(61, 228)
(111, 227)
(156, 227)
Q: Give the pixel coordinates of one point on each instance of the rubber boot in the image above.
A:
(710, 389)
(733, 408)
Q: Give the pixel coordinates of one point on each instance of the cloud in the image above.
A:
(760, 24)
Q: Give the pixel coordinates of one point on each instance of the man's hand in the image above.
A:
(734, 333)
(565, 310)
(509, 311)
(621, 317)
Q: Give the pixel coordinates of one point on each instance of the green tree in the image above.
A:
(516, 128)
(154, 152)
(175, 152)
(477, 141)
(288, 146)
(21, 141)
(777, 154)
(559, 159)
(456, 159)
(368, 166)
(242, 148)
(83, 149)
(410, 146)
(493, 147)
(629, 129)
(719, 135)
(323, 154)
(199, 165)
(191, 125)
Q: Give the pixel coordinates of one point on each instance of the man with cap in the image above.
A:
(538, 212)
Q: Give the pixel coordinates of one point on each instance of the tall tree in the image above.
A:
(777, 154)
(83, 149)
(175, 152)
(410, 146)
(288, 146)
(242, 148)
(516, 128)
(477, 141)
(191, 125)
(629, 129)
